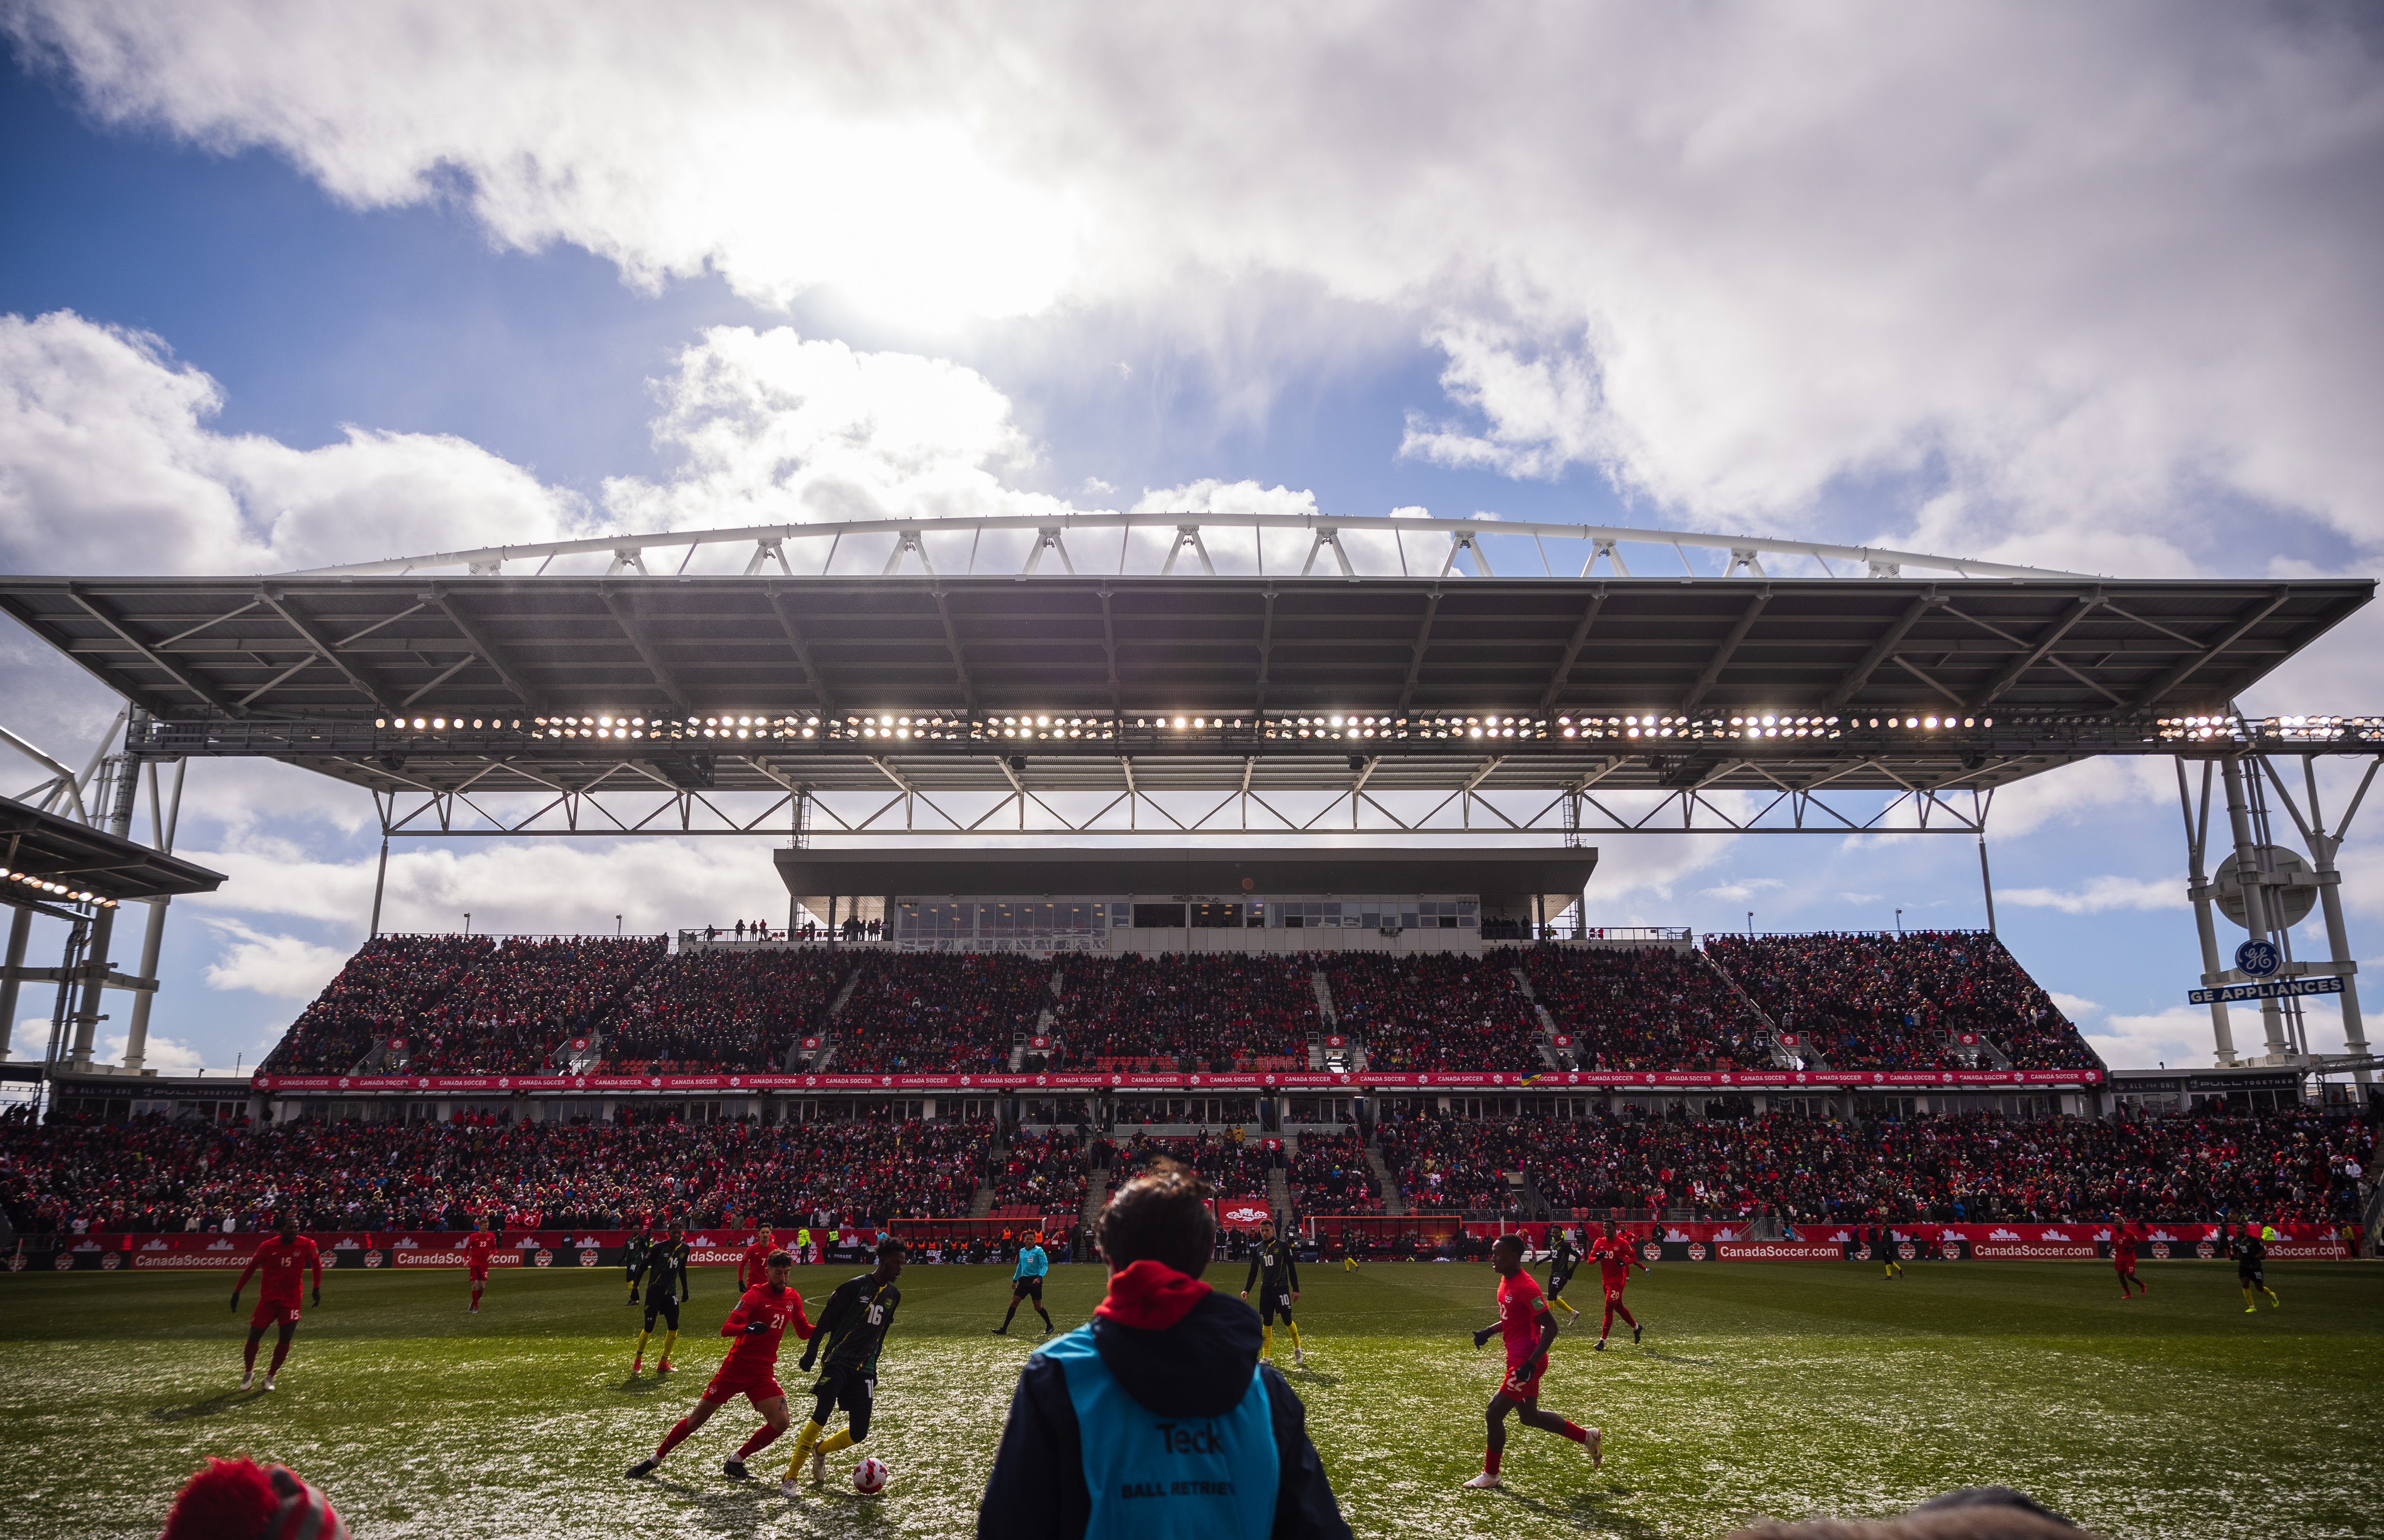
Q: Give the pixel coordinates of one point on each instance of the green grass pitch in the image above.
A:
(1764, 1389)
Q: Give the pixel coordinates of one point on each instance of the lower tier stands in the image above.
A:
(151, 1175)
(1971, 1166)
(1235, 1166)
(1041, 1174)
(1435, 1012)
(1330, 1176)
(1902, 1001)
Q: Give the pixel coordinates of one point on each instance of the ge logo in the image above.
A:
(2258, 959)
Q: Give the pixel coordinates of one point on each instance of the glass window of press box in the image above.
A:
(955, 925)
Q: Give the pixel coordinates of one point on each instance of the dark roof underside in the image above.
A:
(88, 859)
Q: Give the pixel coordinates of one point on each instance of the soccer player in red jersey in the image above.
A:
(1530, 1328)
(2126, 1236)
(751, 1267)
(1616, 1257)
(479, 1246)
(759, 1321)
(283, 1262)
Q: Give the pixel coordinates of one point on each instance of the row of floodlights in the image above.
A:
(55, 889)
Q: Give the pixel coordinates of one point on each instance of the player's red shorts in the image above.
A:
(2124, 1261)
(479, 1274)
(1523, 1390)
(273, 1312)
(1613, 1292)
(757, 1384)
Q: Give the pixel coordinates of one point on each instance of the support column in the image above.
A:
(136, 1033)
(2197, 840)
(380, 880)
(1987, 882)
(20, 933)
(2323, 849)
(2255, 896)
(94, 975)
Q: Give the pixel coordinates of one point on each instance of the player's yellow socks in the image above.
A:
(807, 1435)
(1293, 1327)
(840, 1439)
(670, 1340)
(2274, 1303)
(1266, 1342)
(641, 1343)
(2250, 1304)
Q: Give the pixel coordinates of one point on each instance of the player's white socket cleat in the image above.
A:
(790, 1488)
(1297, 1357)
(268, 1382)
(245, 1379)
(1595, 1447)
(1484, 1479)
(819, 1465)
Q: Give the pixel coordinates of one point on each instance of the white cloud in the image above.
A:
(106, 465)
(283, 966)
(2099, 894)
(1742, 889)
(165, 1055)
(2078, 1008)
(2179, 1037)
(2090, 264)
(31, 1038)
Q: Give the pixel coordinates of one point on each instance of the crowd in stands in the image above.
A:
(151, 1174)
(1187, 1010)
(1853, 1001)
(1235, 1166)
(1901, 1001)
(1041, 1174)
(1435, 1012)
(376, 996)
(704, 1011)
(1330, 1176)
(1967, 1166)
(1643, 1008)
(940, 1012)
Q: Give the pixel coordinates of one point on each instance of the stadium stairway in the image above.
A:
(1097, 1193)
(1780, 1053)
(981, 1206)
(1994, 1049)
(1393, 1204)
(1279, 1179)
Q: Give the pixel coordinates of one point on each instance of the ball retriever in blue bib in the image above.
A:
(1156, 1422)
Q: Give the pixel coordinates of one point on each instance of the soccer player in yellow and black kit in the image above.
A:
(1274, 1267)
(852, 1326)
(664, 1272)
(1562, 1260)
(2251, 1254)
(633, 1260)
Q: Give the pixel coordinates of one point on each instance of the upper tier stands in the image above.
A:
(1210, 1010)
(1895, 1002)
(704, 1011)
(1866, 1001)
(939, 1012)
(1435, 1012)
(1645, 1008)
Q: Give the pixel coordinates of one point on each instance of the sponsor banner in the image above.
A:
(1129, 1080)
(454, 1259)
(1777, 1251)
(2275, 989)
(2320, 1251)
(2004, 1251)
(178, 1260)
(1243, 1213)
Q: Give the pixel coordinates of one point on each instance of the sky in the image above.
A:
(2079, 287)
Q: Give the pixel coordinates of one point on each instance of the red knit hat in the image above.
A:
(238, 1499)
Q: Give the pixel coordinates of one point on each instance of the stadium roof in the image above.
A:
(1511, 874)
(1064, 683)
(46, 848)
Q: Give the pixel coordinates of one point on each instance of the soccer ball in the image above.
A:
(869, 1477)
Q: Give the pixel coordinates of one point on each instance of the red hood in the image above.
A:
(1150, 1296)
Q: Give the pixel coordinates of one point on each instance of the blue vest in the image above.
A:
(1169, 1478)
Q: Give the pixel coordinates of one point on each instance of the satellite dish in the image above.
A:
(2295, 898)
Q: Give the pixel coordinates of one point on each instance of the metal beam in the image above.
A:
(625, 616)
(1563, 676)
(494, 656)
(164, 665)
(1860, 675)
(952, 640)
(1415, 655)
(813, 680)
(1722, 655)
(327, 651)
(2084, 606)
(2186, 670)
